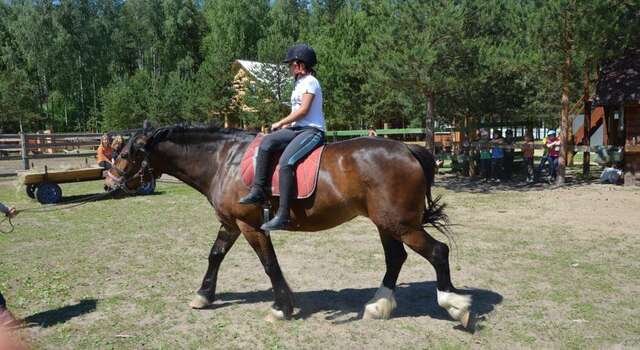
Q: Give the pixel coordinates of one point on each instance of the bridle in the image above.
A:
(124, 177)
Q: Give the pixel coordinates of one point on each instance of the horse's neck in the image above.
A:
(195, 166)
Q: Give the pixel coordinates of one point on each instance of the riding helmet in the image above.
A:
(303, 53)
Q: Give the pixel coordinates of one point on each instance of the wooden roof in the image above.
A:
(619, 80)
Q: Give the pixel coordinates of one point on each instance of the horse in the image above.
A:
(381, 179)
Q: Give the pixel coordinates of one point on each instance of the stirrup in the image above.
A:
(255, 196)
(277, 223)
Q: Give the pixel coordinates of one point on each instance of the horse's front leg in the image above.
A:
(206, 294)
(282, 308)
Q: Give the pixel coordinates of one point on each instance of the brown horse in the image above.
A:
(382, 179)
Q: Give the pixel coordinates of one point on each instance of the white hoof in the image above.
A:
(199, 302)
(456, 305)
(274, 315)
(381, 306)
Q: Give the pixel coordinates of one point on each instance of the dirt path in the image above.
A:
(548, 268)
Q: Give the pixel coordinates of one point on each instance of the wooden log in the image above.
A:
(60, 176)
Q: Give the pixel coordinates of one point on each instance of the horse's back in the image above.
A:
(365, 172)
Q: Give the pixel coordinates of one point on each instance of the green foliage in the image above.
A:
(80, 65)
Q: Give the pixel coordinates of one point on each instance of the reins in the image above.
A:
(55, 207)
(82, 201)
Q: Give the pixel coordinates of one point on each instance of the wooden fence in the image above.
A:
(26, 146)
(39, 146)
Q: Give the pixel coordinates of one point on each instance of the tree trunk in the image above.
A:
(570, 142)
(564, 119)
(472, 131)
(587, 122)
(429, 141)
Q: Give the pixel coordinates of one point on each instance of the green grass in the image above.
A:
(119, 274)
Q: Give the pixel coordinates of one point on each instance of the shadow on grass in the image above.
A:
(458, 183)
(414, 300)
(53, 317)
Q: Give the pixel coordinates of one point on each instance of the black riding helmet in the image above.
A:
(303, 53)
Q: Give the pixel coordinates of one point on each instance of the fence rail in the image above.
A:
(42, 146)
(46, 146)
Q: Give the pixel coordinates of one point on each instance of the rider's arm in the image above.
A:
(307, 99)
(10, 212)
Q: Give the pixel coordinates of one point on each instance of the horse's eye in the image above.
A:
(124, 156)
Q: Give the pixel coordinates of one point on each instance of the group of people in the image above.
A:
(495, 156)
(109, 150)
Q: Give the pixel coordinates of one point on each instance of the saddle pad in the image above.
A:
(306, 171)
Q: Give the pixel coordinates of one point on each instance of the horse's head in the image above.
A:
(132, 167)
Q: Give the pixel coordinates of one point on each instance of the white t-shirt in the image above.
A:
(308, 84)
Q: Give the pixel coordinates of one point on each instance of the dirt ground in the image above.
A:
(547, 268)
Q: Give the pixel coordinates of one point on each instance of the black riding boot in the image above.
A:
(257, 194)
(282, 219)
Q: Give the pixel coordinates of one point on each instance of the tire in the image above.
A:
(31, 191)
(48, 193)
(148, 188)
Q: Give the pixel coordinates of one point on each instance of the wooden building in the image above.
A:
(618, 92)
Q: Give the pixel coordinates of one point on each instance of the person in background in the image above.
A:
(6, 318)
(105, 152)
(553, 145)
(485, 155)
(612, 174)
(508, 154)
(116, 146)
(527, 156)
(543, 159)
(372, 131)
(497, 156)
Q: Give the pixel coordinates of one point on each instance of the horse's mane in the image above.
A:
(197, 135)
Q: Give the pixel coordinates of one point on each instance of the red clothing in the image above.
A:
(554, 149)
(527, 149)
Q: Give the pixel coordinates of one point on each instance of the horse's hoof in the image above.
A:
(465, 318)
(457, 306)
(380, 306)
(199, 302)
(274, 315)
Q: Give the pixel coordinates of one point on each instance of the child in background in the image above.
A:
(485, 155)
(553, 145)
(105, 152)
(527, 155)
(497, 156)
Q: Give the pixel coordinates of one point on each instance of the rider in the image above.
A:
(297, 134)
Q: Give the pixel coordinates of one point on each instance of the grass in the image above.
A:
(119, 274)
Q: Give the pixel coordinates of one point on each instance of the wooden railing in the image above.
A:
(26, 146)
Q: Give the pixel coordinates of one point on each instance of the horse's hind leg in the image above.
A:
(224, 242)
(438, 255)
(383, 302)
(282, 308)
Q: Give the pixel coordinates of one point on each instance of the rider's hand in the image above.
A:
(276, 126)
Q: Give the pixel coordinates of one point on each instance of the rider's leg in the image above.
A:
(272, 142)
(302, 145)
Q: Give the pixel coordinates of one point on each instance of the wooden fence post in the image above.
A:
(23, 151)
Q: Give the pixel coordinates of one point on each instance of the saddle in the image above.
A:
(306, 171)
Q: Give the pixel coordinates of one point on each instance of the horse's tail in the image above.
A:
(434, 214)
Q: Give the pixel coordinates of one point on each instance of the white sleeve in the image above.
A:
(311, 86)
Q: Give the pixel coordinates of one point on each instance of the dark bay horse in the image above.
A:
(384, 180)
